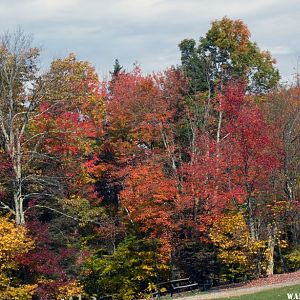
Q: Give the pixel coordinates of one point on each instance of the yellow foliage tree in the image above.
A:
(13, 242)
(71, 289)
(237, 249)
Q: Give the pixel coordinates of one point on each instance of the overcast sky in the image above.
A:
(148, 31)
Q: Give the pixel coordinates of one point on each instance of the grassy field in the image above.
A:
(279, 294)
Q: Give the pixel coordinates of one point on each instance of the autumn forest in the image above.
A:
(111, 186)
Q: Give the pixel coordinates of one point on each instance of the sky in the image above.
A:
(148, 31)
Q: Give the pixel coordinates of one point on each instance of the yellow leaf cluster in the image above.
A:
(236, 247)
(20, 292)
(13, 242)
(73, 288)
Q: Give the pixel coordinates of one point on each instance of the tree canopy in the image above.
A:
(111, 186)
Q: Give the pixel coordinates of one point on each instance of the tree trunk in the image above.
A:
(219, 126)
(19, 211)
(272, 230)
(17, 186)
(251, 219)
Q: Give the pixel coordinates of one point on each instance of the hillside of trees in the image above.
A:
(111, 186)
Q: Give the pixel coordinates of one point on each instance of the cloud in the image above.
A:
(148, 31)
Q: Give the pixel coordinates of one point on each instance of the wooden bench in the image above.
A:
(173, 286)
(180, 285)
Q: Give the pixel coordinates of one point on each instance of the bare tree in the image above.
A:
(20, 93)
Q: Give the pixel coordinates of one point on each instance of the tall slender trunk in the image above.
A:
(251, 219)
(218, 138)
(19, 210)
(272, 230)
(172, 158)
(219, 126)
(17, 186)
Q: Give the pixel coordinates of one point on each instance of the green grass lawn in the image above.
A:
(279, 294)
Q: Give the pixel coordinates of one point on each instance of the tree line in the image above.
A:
(110, 186)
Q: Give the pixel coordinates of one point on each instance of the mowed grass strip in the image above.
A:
(280, 293)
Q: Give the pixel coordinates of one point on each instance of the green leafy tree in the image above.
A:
(128, 273)
(117, 69)
(225, 53)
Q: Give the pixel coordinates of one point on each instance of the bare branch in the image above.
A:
(67, 215)
(5, 206)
